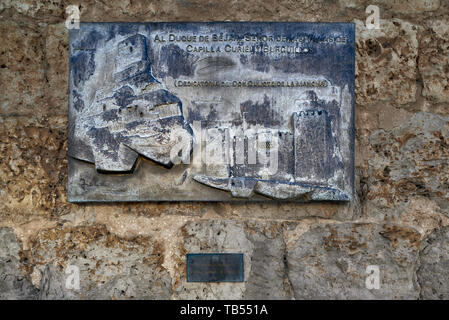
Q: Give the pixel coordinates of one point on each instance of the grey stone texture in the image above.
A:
(330, 262)
(14, 281)
(264, 256)
(109, 267)
(398, 220)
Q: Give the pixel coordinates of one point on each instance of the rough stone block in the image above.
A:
(263, 248)
(56, 57)
(410, 160)
(110, 267)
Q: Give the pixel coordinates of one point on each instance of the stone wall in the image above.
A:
(399, 220)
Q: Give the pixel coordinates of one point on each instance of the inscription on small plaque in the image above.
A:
(215, 267)
(211, 112)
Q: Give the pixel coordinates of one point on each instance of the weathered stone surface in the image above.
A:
(263, 248)
(14, 281)
(395, 181)
(408, 6)
(434, 59)
(395, 7)
(422, 214)
(32, 165)
(148, 90)
(268, 275)
(386, 62)
(214, 10)
(329, 262)
(434, 266)
(22, 75)
(110, 267)
(39, 9)
(56, 58)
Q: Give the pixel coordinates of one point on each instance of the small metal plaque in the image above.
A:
(215, 267)
(211, 112)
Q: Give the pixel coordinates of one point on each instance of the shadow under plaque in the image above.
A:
(211, 112)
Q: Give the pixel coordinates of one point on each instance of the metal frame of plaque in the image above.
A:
(211, 112)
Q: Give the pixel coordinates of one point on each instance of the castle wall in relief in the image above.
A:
(211, 111)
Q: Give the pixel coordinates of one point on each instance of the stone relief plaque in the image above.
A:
(211, 112)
